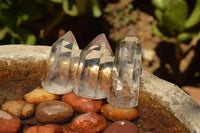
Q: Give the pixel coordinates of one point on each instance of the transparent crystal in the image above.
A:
(93, 77)
(125, 80)
(62, 65)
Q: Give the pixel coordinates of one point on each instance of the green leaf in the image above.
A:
(57, 1)
(160, 4)
(20, 19)
(3, 33)
(14, 34)
(156, 30)
(194, 18)
(159, 15)
(161, 31)
(94, 8)
(70, 8)
(31, 39)
(185, 36)
(198, 35)
(175, 15)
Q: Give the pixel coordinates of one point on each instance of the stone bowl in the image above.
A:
(163, 107)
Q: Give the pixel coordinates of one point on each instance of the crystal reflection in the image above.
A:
(96, 61)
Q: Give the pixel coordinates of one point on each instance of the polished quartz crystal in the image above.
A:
(125, 80)
(62, 65)
(93, 76)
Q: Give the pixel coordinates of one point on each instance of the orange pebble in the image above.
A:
(116, 113)
(49, 128)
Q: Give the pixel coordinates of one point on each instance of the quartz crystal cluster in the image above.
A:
(94, 72)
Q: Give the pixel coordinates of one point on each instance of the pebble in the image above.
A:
(19, 108)
(121, 127)
(81, 104)
(53, 111)
(115, 113)
(39, 95)
(48, 128)
(9, 123)
(87, 123)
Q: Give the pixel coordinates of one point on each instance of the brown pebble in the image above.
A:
(53, 111)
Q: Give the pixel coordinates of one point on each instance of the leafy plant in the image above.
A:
(174, 21)
(12, 15)
(19, 18)
(80, 7)
(177, 22)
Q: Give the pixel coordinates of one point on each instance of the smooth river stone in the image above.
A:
(81, 104)
(53, 111)
(87, 123)
(121, 127)
(9, 123)
(48, 128)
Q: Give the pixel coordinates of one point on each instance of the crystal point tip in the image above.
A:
(133, 34)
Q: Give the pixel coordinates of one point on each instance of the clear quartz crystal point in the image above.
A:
(125, 80)
(94, 73)
(62, 65)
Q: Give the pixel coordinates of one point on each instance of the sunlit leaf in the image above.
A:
(175, 15)
(159, 15)
(3, 33)
(70, 8)
(185, 36)
(161, 4)
(31, 39)
(57, 1)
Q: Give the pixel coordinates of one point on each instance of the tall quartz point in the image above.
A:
(94, 73)
(62, 65)
(125, 80)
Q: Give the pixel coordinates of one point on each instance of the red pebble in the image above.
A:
(68, 130)
(121, 127)
(48, 128)
(81, 104)
(88, 123)
(9, 123)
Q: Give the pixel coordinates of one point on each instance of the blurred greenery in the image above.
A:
(21, 20)
(18, 18)
(176, 20)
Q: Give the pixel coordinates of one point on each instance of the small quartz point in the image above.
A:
(94, 73)
(125, 80)
(62, 65)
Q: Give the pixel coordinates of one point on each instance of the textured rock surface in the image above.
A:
(181, 105)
